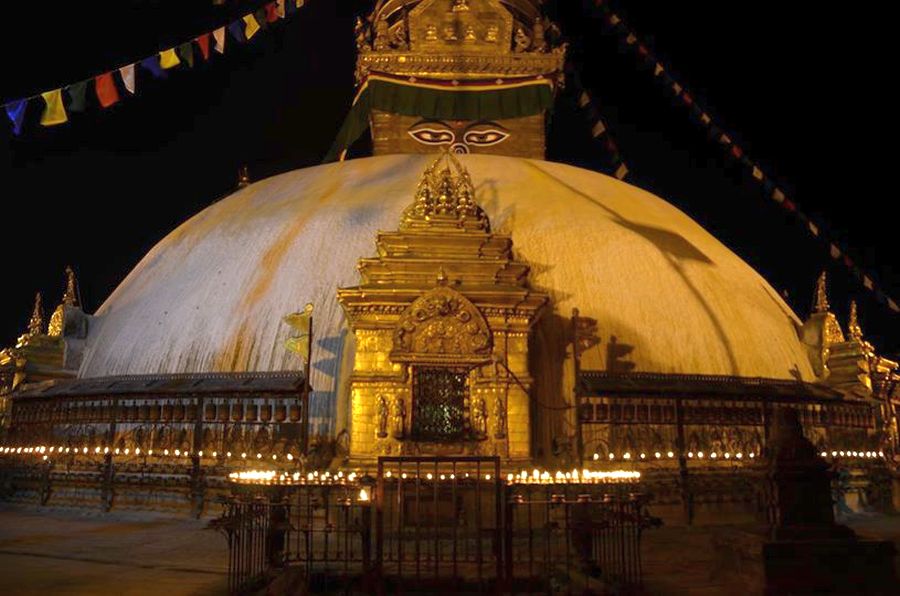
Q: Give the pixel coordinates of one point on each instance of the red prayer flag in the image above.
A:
(271, 12)
(105, 86)
(789, 205)
(687, 99)
(203, 44)
(736, 151)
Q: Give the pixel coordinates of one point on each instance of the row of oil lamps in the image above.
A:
(627, 456)
(47, 452)
(273, 477)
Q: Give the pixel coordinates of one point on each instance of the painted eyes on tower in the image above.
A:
(432, 136)
(485, 137)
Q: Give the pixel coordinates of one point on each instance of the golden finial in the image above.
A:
(36, 324)
(853, 327)
(70, 296)
(822, 294)
(243, 177)
(445, 197)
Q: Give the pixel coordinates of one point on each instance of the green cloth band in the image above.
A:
(428, 102)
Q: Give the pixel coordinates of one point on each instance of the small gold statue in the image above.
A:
(383, 415)
(499, 418)
(399, 418)
(479, 418)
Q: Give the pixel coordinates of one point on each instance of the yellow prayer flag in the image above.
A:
(55, 112)
(300, 3)
(583, 100)
(169, 59)
(252, 26)
(599, 129)
(621, 172)
(300, 324)
(757, 173)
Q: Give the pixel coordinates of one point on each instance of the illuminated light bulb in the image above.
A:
(309, 476)
(106, 450)
(452, 476)
(137, 451)
(691, 454)
(824, 454)
(713, 455)
(227, 454)
(259, 456)
(739, 455)
(612, 456)
(96, 450)
(523, 475)
(45, 458)
(670, 455)
(487, 476)
(834, 454)
(443, 477)
(509, 477)
(363, 495)
(243, 455)
(51, 449)
(643, 456)
(881, 454)
(127, 451)
(752, 455)
(387, 474)
(200, 453)
(700, 454)
(727, 456)
(165, 452)
(403, 475)
(535, 474)
(657, 455)
(177, 452)
(596, 456)
(116, 451)
(274, 456)
(841, 453)
(428, 475)
(149, 452)
(627, 455)
(290, 457)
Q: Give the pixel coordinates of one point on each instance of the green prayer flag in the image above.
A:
(186, 53)
(76, 92)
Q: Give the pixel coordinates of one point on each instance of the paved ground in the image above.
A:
(76, 552)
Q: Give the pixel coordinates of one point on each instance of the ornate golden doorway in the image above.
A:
(440, 404)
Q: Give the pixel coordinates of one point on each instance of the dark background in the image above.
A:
(803, 87)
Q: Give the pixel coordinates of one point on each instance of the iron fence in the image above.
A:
(438, 525)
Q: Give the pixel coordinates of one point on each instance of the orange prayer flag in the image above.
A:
(105, 86)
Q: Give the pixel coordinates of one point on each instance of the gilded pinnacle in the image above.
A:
(853, 327)
(822, 304)
(445, 197)
(36, 324)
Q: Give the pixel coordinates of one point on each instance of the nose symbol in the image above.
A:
(459, 148)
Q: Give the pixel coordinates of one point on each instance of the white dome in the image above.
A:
(668, 296)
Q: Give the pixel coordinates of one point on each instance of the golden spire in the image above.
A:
(822, 304)
(36, 324)
(70, 296)
(445, 198)
(853, 327)
(243, 177)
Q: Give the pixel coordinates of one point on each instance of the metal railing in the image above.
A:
(438, 524)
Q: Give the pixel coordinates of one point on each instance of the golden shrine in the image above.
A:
(442, 320)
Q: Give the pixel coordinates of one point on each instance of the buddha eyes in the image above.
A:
(432, 136)
(485, 137)
(479, 134)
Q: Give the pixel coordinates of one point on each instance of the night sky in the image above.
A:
(802, 88)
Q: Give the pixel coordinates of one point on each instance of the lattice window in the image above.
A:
(440, 404)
